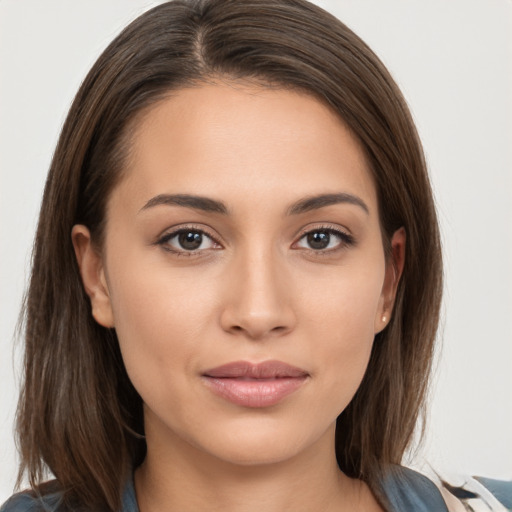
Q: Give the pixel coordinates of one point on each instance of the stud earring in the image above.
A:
(384, 319)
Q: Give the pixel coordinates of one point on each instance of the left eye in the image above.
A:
(323, 239)
(187, 240)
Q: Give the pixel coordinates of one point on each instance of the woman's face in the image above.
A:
(245, 230)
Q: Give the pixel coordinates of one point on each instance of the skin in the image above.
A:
(255, 290)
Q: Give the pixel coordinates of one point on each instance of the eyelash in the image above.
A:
(345, 240)
(165, 239)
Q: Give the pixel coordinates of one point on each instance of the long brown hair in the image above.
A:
(79, 416)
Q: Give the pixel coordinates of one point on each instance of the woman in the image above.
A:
(237, 274)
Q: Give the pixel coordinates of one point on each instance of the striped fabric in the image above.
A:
(477, 494)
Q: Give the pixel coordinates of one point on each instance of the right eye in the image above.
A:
(187, 241)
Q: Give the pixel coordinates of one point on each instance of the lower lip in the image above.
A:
(256, 392)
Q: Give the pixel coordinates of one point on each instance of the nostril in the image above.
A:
(255, 332)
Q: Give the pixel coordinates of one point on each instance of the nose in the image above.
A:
(258, 297)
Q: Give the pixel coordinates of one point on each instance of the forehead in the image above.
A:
(240, 142)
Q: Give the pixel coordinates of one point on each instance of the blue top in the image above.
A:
(406, 490)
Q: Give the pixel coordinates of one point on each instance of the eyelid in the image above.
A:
(327, 226)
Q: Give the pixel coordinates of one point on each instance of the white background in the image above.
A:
(453, 60)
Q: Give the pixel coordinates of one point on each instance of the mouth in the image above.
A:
(254, 385)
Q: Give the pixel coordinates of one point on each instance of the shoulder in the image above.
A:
(500, 489)
(50, 499)
(408, 490)
(477, 493)
(30, 502)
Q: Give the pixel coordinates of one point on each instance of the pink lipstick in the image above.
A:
(255, 385)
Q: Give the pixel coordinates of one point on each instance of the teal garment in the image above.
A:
(501, 490)
(409, 491)
(406, 490)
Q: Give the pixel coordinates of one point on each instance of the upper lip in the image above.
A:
(263, 370)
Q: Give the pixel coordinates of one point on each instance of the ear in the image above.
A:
(93, 275)
(394, 268)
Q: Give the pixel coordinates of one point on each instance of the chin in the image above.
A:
(261, 444)
(257, 455)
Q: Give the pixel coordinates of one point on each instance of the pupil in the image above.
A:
(319, 239)
(190, 240)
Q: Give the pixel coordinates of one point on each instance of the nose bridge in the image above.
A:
(258, 302)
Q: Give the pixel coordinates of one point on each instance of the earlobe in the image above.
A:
(92, 272)
(394, 268)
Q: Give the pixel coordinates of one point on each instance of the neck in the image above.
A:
(179, 477)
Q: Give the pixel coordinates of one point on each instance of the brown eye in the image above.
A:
(324, 239)
(318, 239)
(190, 240)
(187, 240)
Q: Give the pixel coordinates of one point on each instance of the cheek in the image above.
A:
(341, 317)
(345, 301)
(159, 322)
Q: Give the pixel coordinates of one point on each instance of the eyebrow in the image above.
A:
(207, 204)
(316, 202)
(189, 201)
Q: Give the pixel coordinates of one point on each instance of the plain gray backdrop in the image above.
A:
(453, 60)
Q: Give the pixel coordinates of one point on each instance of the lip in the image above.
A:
(254, 385)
